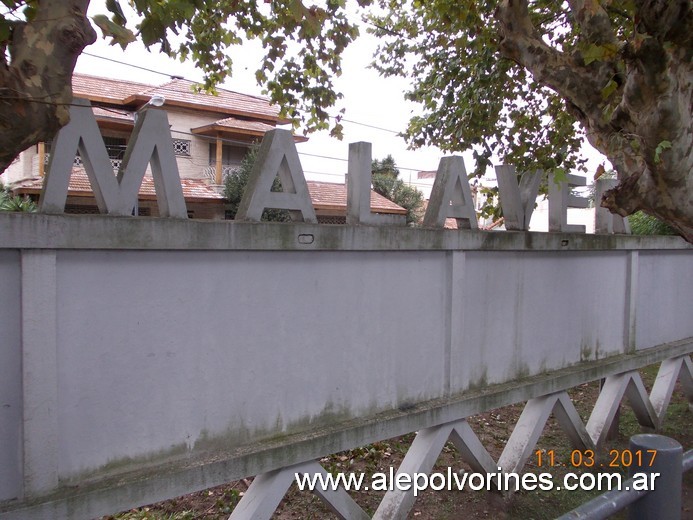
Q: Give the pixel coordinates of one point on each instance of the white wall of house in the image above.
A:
(25, 166)
(197, 165)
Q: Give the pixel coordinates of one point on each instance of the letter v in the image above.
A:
(517, 200)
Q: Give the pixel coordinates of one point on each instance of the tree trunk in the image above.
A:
(36, 83)
(635, 104)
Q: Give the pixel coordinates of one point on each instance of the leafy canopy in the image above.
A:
(473, 97)
(303, 45)
(518, 81)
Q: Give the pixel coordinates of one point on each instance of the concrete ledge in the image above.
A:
(175, 478)
(41, 231)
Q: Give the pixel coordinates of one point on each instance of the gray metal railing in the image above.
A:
(659, 501)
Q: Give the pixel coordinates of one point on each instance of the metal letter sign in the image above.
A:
(150, 144)
(277, 156)
(451, 196)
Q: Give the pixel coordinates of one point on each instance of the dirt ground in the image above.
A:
(493, 429)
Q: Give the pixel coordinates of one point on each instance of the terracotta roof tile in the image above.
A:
(193, 189)
(232, 123)
(333, 195)
(181, 90)
(94, 87)
(324, 195)
(177, 91)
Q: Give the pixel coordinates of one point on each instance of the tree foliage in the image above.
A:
(385, 182)
(9, 202)
(235, 184)
(386, 166)
(644, 224)
(520, 80)
(526, 81)
(41, 40)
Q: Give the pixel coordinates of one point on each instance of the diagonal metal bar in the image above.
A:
(420, 458)
(663, 387)
(686, 378)
(571, 423)
(338, 500)
(266, 492)
(640, 401)
(526, 433)
(607, 405)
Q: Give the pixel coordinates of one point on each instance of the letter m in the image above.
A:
(150, 143)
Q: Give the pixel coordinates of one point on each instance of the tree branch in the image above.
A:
(43, 53)
(595, 25)
(665, 19)
(581, 86)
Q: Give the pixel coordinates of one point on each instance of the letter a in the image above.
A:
(451, 196)
(277, 156)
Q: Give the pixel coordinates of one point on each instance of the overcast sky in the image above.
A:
(368, 98)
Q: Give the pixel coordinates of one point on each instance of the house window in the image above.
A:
(116, 150)
(115, 146)
(230, 155)
(181, 147)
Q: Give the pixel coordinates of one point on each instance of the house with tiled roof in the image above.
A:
(211, 135)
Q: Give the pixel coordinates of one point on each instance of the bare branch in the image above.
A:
(579, 85)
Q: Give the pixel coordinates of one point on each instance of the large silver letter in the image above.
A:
(451, 196)
(277, 156)
(560, 198)
(359, 190)
(150, 142)
(517, 200)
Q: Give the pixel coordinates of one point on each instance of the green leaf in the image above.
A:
(598, 52)
(120, 35)
(30, 11)
(118, 16)
(559, 175)
(609, 89)
(5, 30)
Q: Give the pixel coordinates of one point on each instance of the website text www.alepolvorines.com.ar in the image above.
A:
(452, 480)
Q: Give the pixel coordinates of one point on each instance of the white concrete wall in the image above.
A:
(523, 313)
(665, 297)
(164, 339)
(171, 350)
(10, 376)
